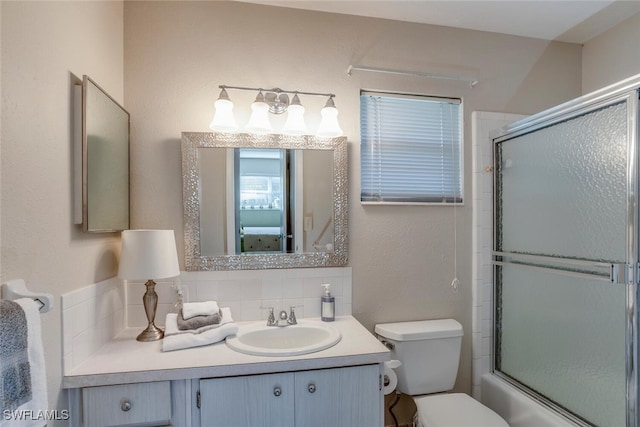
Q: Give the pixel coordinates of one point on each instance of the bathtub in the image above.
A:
(518, 409)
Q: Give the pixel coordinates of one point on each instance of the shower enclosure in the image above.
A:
(566, 257)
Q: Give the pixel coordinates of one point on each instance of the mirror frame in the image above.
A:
(195, 261)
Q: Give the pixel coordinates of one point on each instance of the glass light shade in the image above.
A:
(223, 120)
(148, 254)
(295, 124)
(329, 126)
(259, 120)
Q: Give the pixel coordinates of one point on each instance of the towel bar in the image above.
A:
(17, 288)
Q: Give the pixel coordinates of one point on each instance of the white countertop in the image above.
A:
(125, 360)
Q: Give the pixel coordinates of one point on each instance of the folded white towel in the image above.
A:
(205, 308)
(175, 339)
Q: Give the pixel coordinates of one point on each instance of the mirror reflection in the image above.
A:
(263, 201)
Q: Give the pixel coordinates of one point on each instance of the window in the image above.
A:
(261, 176)
(410, 149)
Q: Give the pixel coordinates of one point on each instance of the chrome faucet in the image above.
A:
(292, 316)
(284, 319)
(271, 320)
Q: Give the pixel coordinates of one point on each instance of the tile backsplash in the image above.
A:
(91, 316)
(246, 292)
(94, 314)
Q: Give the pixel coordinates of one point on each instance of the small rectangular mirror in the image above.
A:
(104, 156)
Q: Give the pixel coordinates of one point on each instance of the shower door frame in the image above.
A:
(626, 274)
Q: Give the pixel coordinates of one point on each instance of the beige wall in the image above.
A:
(46, 46)
(177, 53)
(611, 56)
(174, 55)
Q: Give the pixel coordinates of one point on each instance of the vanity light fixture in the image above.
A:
(329, 126)
(295, 124)
(223, 120)
(149, 255)
(275, 101)
(259, 121)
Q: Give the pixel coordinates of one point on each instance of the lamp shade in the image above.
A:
(148, 255)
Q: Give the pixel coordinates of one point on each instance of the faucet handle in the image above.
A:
(271, 320)
(292, 315)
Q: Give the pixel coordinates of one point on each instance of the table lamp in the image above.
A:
(149, 255)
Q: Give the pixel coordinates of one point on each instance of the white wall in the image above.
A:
(46, 46)
(612, 56)
(177, 53)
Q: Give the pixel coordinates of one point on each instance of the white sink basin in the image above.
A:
(308, 336)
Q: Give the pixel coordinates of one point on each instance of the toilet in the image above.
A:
(430, 351)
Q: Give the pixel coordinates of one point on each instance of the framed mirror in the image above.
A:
(103, 140)
(264, 201)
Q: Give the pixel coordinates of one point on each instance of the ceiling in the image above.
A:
(573, 21)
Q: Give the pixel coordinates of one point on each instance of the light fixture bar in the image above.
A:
(277, 90)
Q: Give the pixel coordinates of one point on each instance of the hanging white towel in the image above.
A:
(31, 411)
(176, 339)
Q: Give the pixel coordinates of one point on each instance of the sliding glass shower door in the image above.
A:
(566, 258)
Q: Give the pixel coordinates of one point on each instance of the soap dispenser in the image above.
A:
(328, 307)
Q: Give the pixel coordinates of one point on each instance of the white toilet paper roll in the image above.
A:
(390, 380)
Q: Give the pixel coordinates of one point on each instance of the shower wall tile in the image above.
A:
(483, 125)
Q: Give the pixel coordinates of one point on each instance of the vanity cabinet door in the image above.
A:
(340, 397)
(256, 401)
(146, 404)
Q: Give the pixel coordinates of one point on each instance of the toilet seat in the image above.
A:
(455, 410)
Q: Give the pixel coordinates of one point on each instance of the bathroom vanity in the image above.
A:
(128, 382)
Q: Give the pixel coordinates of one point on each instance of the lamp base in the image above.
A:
(152, 333)
(150, 301)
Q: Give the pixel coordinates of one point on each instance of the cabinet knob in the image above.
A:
(277, 391)
(312, 388)
(125, 405)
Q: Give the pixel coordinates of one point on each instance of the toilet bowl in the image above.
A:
(454, 410)
(430, 352)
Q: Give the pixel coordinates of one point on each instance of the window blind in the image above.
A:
(410, 149)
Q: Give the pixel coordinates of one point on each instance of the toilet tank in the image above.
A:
(429, 351)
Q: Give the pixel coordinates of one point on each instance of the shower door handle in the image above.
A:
(616, 273)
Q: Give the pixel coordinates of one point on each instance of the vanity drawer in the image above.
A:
(116, 405)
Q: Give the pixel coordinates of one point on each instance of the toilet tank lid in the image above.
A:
(421, 329)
